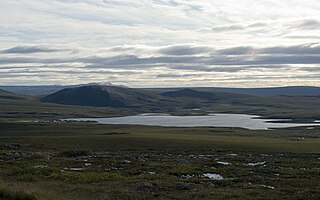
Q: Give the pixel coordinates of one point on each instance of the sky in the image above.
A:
(160, 43)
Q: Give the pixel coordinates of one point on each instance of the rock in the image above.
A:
(223, 163)
(213, 176)
(255, 164)
(26, 154)
(144, 186)
(208, 184)
(182, 162)
(47, 157)
(125, 161)
(13, 154)
(75, 169)
(141, 158)
(40, 166)
(183, 186)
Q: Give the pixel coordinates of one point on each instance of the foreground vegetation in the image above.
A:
(91, 161)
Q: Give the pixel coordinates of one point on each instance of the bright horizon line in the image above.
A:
(158, 87)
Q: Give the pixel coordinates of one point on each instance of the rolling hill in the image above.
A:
(117, 97)
(9, 95)
(101, 101)
(34, 90)
(189, 93)
(101, 96)
(273, 91)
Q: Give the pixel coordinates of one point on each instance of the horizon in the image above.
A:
(161, 43)
(164, 87)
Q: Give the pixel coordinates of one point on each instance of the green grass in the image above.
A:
(96, 137)
(115, 168)
(15, 195)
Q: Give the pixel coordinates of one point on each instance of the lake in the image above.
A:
(252, 122)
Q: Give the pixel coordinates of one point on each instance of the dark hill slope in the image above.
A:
(191, 99)
(189, 93)
(34, 90)
(274, 91)
(207, 96)
(9, 95)
(101, 96)
(3, 92)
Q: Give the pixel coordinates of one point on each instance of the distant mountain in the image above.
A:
(4, 92)
(189, 93)
(274, 91)
(9, 95)
(45, 89)
(34, 90)
(101, 96)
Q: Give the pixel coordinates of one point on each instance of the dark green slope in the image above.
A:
(9, 95)
(101, 96)
(213, 97)
(189, 93)
(274, 91)
(181, 101)
(114, 96)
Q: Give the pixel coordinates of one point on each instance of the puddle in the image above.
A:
(187, 176)
(213, 176)
(255, 164)
(40, 166)
(75, 169)
(223, 163)
(267, 186)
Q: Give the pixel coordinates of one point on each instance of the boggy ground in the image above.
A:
(90, 161)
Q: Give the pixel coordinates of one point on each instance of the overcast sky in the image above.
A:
(160, 43)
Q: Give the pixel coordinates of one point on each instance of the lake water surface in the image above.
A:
(252, 122)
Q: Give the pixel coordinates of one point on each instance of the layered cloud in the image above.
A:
(29, 49)
(160, 43)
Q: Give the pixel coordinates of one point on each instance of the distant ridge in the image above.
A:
(48, 89)
(9, 95)
(274, 91)
(5, 92)
(34, 90)
(190, 93)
